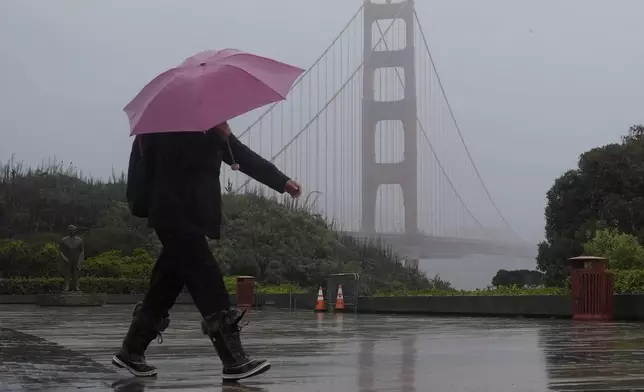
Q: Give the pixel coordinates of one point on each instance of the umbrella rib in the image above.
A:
(174, 77)
(257, 56)
(254, 77)
(154, 97)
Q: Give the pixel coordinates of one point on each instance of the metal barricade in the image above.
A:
(350, 289)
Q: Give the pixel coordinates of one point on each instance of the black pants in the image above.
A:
(185, 260)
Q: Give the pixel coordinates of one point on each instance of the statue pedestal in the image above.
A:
(71, 298)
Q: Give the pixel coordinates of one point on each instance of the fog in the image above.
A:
(532, 84)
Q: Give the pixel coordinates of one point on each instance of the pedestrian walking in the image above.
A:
(173, 181)
(184, 208)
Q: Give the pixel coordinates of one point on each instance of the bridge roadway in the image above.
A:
(68, 349)
(430, 247)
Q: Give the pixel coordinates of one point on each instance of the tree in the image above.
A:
(524, 278)
(622, 250)
(636, 132)
(552, 256)
(606, 190)
(437, 283)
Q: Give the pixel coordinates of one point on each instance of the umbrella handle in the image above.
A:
(235, 165)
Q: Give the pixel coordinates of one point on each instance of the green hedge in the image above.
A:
(282, 289)
(231, 285)
(114, 264)
(18, 286)
(22, 286)
(625, 282)
(498, 291)
(628, 281)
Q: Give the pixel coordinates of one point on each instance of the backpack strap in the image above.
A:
(140, 141)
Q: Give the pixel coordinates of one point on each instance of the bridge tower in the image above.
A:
(405, 172)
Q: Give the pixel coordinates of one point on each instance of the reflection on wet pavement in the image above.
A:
(61, 349)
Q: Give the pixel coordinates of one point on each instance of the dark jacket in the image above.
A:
(183, 177)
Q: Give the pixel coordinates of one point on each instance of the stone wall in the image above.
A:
(626, 307)
(535, 306)
(629, 307)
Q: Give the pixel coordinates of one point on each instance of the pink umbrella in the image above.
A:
(207, 89)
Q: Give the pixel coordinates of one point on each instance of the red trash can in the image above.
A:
(592, 288)
(245, 291)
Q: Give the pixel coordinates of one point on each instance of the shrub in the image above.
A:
(524, 278)
(623, 250)
(89, 284)
(280, 289)
(628, 281)
(625, 282)
(231, 285)
(24, 286)
(18, 258)
(496, 291)
(278, 242)
(113, 264)
(47, 260)
(13, 256)
(114, 285)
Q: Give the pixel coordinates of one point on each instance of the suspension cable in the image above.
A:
(458, 129)
(270, 108)
(328, 102)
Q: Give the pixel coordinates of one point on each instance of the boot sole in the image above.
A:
(118, 363)
(254, 372)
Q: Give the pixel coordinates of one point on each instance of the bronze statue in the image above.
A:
(72, 249)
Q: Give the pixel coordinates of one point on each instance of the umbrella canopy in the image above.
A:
(208, 89)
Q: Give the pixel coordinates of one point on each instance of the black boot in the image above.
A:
(223, 330)
(143, 330)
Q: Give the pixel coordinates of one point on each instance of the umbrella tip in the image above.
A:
(202, 64)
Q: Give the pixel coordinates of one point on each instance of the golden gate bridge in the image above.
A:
(369, 131)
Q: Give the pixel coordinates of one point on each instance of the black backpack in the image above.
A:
(138, 189)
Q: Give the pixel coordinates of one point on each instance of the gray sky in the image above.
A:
(533, 83)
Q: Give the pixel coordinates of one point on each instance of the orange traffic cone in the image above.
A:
(339, 301)
(320, 306)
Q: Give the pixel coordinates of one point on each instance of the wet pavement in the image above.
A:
(67, 349)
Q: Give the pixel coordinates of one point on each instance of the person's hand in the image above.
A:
(223, 130)
(293, 188)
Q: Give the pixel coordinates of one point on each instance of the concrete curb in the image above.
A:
(71, 299)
